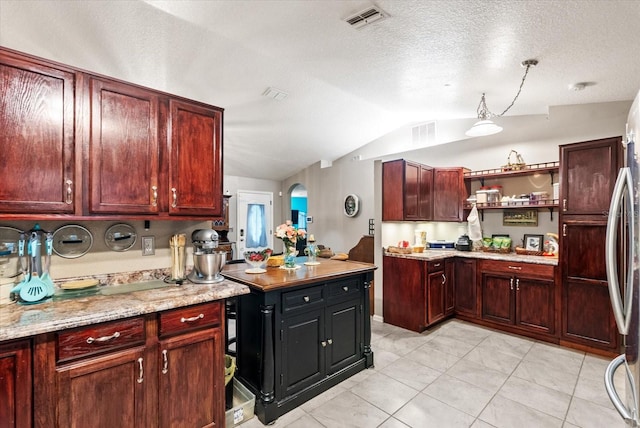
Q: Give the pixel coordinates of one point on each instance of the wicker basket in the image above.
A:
(514, 166)
(524, 252)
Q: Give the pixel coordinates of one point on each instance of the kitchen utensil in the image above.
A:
(45, 278)
(72, 241)
(178, 257)
(24, 267)
(34, 289)
(120, 237)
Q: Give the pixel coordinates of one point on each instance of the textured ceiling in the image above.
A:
(427, 60)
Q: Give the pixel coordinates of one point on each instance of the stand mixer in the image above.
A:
(207, 260)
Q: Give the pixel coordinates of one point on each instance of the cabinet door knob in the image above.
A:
(564, 229)
(511, 283)
(330, 341)
(192, 319)
(165, 362)
(154, 195)
(103, 338)
(564, 204)
(444, 279)
(517, 284)
(324, 344)
(345, 288)
(141, 371)
(306, 299)
(174, 195)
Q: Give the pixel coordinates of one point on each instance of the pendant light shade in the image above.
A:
(483, 128)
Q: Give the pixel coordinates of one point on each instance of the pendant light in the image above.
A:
(485, 126)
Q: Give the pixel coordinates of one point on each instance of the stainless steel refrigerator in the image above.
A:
(623, 273)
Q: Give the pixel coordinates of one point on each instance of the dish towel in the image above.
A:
(475, 230)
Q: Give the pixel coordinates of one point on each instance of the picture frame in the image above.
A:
(520, 218)
(533, 242)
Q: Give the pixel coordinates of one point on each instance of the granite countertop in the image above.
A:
(510, 257)
(17, 321)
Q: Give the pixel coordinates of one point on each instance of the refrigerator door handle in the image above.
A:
(621, 310)
(611, 389)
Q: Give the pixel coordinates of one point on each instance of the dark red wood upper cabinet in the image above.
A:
(195, 159)
(448, 194)
(588, 173)
(123, 148)
(37, 138)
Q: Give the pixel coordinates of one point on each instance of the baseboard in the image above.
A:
(377, 318)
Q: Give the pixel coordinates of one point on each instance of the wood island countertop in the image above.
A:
(277, 277)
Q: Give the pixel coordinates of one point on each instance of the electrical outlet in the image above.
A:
(148, 245)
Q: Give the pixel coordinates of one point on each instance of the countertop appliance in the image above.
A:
(464, 243)
(208, 261)
(441, 245)
(623, 273)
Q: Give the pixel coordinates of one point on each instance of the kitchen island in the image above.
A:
(149, 358)
(301, 331)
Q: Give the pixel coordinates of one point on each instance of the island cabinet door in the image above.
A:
(344, 335)
(191, 373)
(497, 298)
(303, 356)
(107, 391)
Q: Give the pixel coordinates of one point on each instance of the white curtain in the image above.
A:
(256, 226)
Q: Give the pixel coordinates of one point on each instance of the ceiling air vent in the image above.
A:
(424, 135)
(365, 17)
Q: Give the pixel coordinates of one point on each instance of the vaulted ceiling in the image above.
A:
(426, 60)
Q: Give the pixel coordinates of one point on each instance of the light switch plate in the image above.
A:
(148, 245)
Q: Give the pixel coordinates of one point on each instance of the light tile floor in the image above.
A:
(462, 375)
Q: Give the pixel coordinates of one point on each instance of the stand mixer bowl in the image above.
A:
(207, 266)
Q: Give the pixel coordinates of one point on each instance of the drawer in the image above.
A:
(435, 265)
(293, 300)
(190, 317)
(99, 339)
(344, 289)
(518, 268)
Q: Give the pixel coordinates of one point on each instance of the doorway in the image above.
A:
(254, 220)
(298, 203)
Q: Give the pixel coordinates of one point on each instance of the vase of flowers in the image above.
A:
(289, 235)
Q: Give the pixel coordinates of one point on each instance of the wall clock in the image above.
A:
(351, 205)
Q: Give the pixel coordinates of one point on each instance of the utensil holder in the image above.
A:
(178, 263)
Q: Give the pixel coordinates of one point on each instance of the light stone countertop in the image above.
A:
(18, 321)
(510, 257)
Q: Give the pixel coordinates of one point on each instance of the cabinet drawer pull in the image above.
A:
(104, 338)
(174, 195)
(517, 284)
(515, 267)
(141, 371)
(324, 344)
(306, 299)
(192, 319)
(345, 288)
(69, 198)
(154, 195)
(437, 264)
(165, 362)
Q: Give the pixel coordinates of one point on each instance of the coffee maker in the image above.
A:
(207, 260)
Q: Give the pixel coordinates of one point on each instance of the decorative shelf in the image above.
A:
(534, 168)
(549, 203)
